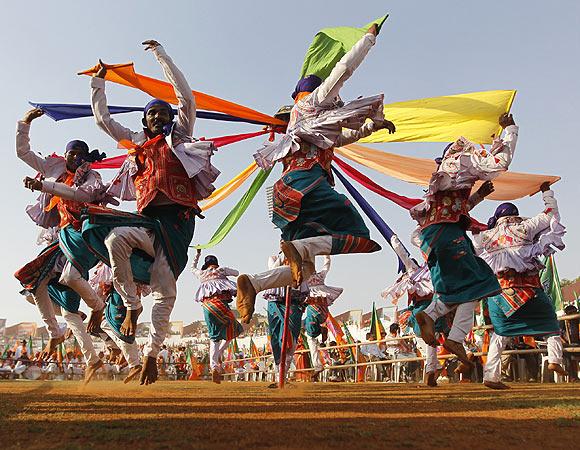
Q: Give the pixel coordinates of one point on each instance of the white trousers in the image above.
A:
(72, 278)
(463, 321)
(130, 351)
(47, 310)
(309, 248)
(216, 351)
(75, 322)
(314, 346)
(431, 362)
(492, 369)
(120, 242)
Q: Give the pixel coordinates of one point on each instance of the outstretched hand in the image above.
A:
(545, 186)
(32, 114)
(505, 120)
(373, 29)
(387, 125)
(150, 44)
(485, 189)
(33, 184)
(102, 70)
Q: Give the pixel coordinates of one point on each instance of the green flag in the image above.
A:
(551, 282)
(30, 346)
(330, 45)
(377, 327)
(5, 352)
(238, 211)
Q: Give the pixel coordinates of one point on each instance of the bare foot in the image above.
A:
(91, 370)
(316, 375)
(216, 376)
(133, 373)
(51, 346)
(498, 385)
(464, 368)
(94, 324)
(245, 298)
(273, 386)
(149, 371)
(427, 326)
(129, 326)
(295, 262)
(557, 368)
(458, 350)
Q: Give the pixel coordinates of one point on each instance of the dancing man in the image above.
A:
(313, 218)
(511, 246)
(60, 273)
(460, 278)
(170, 172)
(215, 293)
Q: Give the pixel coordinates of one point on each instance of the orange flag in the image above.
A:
(125, 74)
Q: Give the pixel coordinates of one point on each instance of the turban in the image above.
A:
(307, 84)
(155, 102)
(87, 156)
(503, 210)
(210, 260)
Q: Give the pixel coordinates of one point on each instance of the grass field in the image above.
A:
(235, 415)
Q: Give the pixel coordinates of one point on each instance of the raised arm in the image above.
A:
(541, 222)
(350, 136)
(186, 100)
(90, 191)
(101, 111)
(330, 88)
(478, 196)
(197, 272)
(228, 272)
(502, 151)
(399, 249)
(23, 150)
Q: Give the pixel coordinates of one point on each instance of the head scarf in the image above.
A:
(87, 156)
(155, 102)
(307, 84)
(210, 260)
(503, 210)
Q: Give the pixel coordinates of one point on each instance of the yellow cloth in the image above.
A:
(227, 189)
(443, 119)
(508, 186)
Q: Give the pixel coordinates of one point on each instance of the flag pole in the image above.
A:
(285, 336)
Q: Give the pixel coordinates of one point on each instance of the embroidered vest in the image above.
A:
(447, 207)
(307, 157)
(512, 279)
(161, 171)
(69, 211)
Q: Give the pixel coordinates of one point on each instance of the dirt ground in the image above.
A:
(235, 415)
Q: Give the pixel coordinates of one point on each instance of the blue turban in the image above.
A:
(503, 210)
(307, 84)
(87, 156)
(156, 101)
(210, 260)
(440, 159)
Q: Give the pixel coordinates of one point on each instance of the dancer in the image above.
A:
(313, 218)
(215, 293)
(68, 184)
(511, 246)
(459, 277)
(416, 283)
(276, 298)
(170, 172)
(320, 297)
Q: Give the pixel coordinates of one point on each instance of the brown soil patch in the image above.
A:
(245, 415)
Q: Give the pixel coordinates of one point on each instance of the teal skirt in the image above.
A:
(306, 205)
(115, 313)
(458, 275)
(76, 250)
(276, 311)
(220, 320)
(536, 317)
(315, 317)
(173, 226)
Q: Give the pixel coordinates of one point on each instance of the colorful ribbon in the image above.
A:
(67, 111)
(227, 189)
(125, 74)
(235, 214)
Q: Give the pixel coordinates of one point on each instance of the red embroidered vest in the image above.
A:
(307, 157)
(161, 171)
(447, 207)
(513, 279)
(69, 211)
